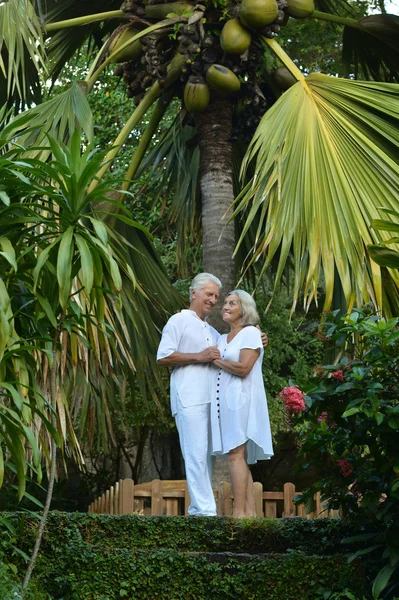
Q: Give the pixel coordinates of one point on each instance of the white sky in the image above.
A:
(392, 7)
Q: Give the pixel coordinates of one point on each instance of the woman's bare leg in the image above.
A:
(250, 510)
(239, 473)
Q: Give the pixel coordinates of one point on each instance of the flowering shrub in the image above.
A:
(350, 431)
(293, 399)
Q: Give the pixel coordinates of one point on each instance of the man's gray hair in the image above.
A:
(248, 307)
(201, 280)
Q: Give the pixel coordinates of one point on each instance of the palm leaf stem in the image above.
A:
(285, 59)
(86, 20)
(317, 14)
(92, 77)
(152, 94)
(145, 140)
(97, 61)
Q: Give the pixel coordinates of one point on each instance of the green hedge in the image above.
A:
(81, 572)
(206, 534)
(101, 557)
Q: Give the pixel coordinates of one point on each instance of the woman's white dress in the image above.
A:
(239, 406)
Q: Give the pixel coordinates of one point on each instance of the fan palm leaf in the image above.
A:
(324, 158)
(21, 53)
(58, 118)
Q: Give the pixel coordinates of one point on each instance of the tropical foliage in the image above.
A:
(349, 433)
(68, 328)
(308, 197)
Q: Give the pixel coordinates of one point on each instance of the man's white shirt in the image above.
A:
(185, 332)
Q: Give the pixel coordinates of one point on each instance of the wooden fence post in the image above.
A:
(111, 500)
(258, 494)
(289, 494)
(126, 496)
(120, 497)
(270, 509)
(116, 499)
(107, 502)
(224, 499)
(156, 497)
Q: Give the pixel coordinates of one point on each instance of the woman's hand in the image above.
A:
(242, 367)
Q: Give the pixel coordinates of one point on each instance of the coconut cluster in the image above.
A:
(219, 57)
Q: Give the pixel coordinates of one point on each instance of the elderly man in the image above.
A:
(188, 345)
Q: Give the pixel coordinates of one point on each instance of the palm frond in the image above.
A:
(325, 160)
(175, 160)
(335, 7)
(372, 49)
(58, 118)
(22, 55)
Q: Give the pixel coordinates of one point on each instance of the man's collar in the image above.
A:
(192, 312)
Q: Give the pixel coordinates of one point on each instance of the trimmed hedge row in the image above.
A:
(103, 557)
(82, 572)
(205, 534)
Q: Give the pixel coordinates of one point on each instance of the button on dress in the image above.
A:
(239, 410)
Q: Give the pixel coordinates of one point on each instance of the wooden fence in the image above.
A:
(171, 498)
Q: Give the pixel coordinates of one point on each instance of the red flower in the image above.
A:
(338, 375)
(345, 467)
(293, 399)
(324, 417)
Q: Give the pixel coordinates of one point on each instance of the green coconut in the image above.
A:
(255, 14)
(131, 52)
(234, 39)
(300, 9)
(284, 78)
(222, 80)
(196, 97)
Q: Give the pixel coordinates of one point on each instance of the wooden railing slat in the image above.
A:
(156, 497)
(127, 498)
(258, 494)
(289, 494)
(270, 509)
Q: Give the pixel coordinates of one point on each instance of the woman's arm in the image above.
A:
(241, 368)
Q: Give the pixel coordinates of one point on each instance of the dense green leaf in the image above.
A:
(384, 256)
(382, 579)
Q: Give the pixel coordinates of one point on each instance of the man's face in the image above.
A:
(203, 301)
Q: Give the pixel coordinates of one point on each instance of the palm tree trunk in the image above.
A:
(216, 180)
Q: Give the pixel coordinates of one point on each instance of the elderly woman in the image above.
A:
(240, 418)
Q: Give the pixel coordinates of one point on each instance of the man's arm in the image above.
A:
(179, 359)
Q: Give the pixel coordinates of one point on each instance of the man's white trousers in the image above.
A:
(193, 425)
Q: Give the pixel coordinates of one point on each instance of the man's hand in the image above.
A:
(209, 354)
(265, 339)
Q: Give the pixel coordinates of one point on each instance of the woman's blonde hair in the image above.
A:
(248, 307)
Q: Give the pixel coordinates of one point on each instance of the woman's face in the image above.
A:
(231, 310)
